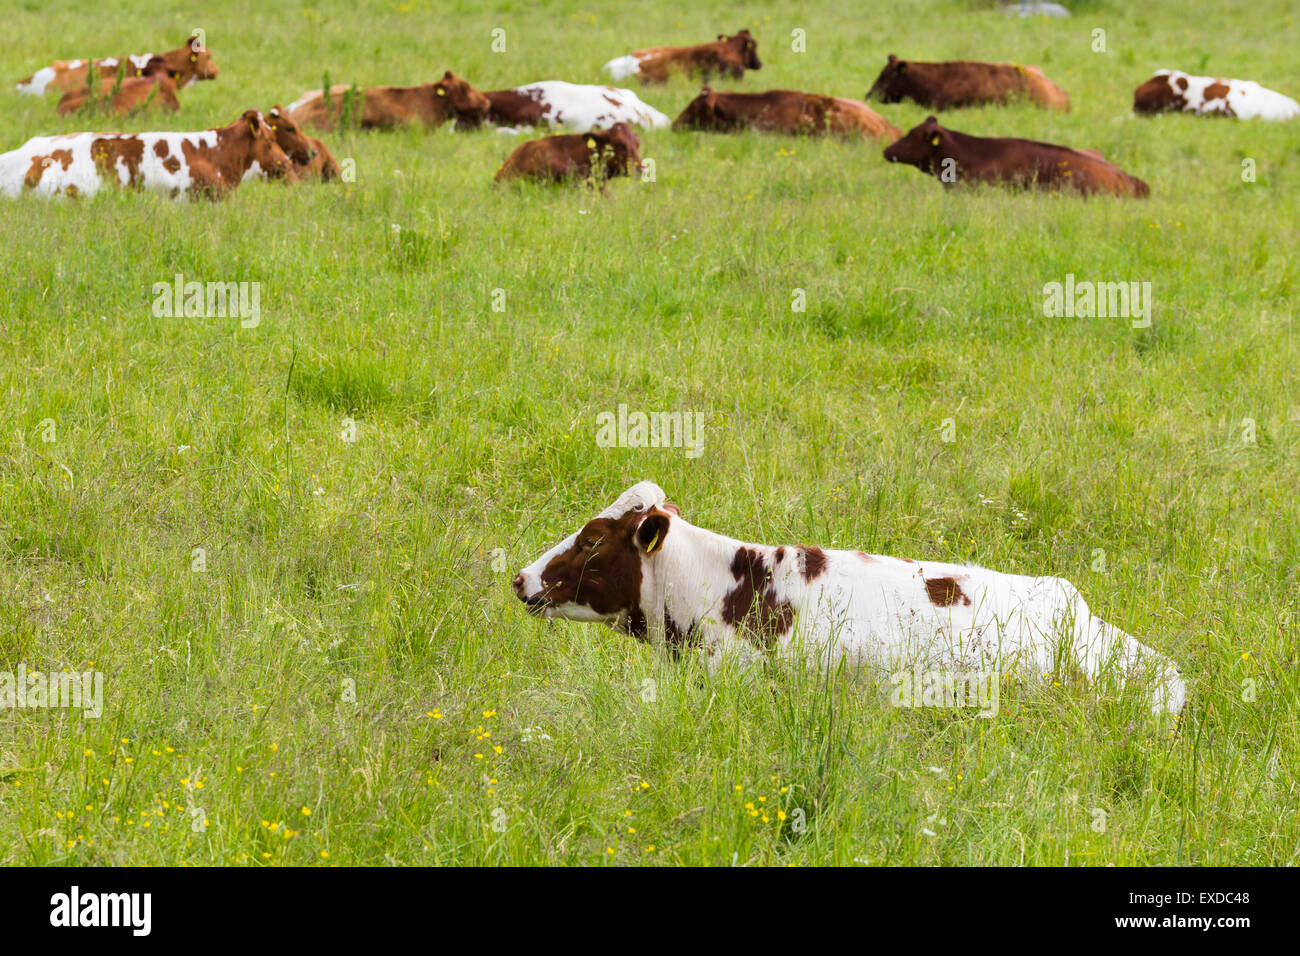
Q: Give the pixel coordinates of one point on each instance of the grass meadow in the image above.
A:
(342, 675)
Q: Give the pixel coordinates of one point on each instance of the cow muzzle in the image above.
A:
(535, 603)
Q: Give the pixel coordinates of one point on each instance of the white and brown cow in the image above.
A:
(1173, 91)
(186, 64)
(727, 56)
(207, 162)
(570, 108)
(640, 566)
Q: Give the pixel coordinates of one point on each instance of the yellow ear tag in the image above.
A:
(654, 542)
(591, 143)
(252, 127)
(193, 58)
(935, 141)
(441, 91)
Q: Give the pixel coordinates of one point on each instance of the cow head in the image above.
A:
(893, 84)
(745, 47)
(620, 148)
(701, 113)
(201, 59)
(459, 101)
(922, 147)
(262, 147)
(330, 170)
(595, 574)
(289, 136)
(1163, 92)
(155, 64)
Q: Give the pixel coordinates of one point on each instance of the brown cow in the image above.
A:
(322, 166)
(958, 83)
(726, 56)
(956, 157)
(384, 107)
(311, 159)
(186, 64)
(784, 111)
(153, 87)
(572, 157)
(296, 144)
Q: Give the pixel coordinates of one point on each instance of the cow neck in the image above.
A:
(233, 154)
(691, 574)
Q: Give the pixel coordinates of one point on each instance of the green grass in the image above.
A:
(332, 565)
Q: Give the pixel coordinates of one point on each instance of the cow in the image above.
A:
(186, 65)
(571, 107)
(643, 568)
(450, 99)
(784, 111)
(208, 162)
(1173, 91)
(153, 87)
(575, 156)
(726, 56)
(311, 158)
(958, 83)
(957, 157)
(297, 145)
(322, 166)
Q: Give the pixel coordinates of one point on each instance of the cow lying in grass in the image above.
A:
(726, 56)
(573, 157)
(784, 111)
(958, 158)
(185, 65)
(451, 99)
(311, 158)
(639, 565)
(956, 83)
(571, 107)
(152, 87)
(208, 162)
(1171, 91)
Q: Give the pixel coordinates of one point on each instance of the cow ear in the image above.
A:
(722, 36)
(902, 66)
(893, 58)
(652, 530)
